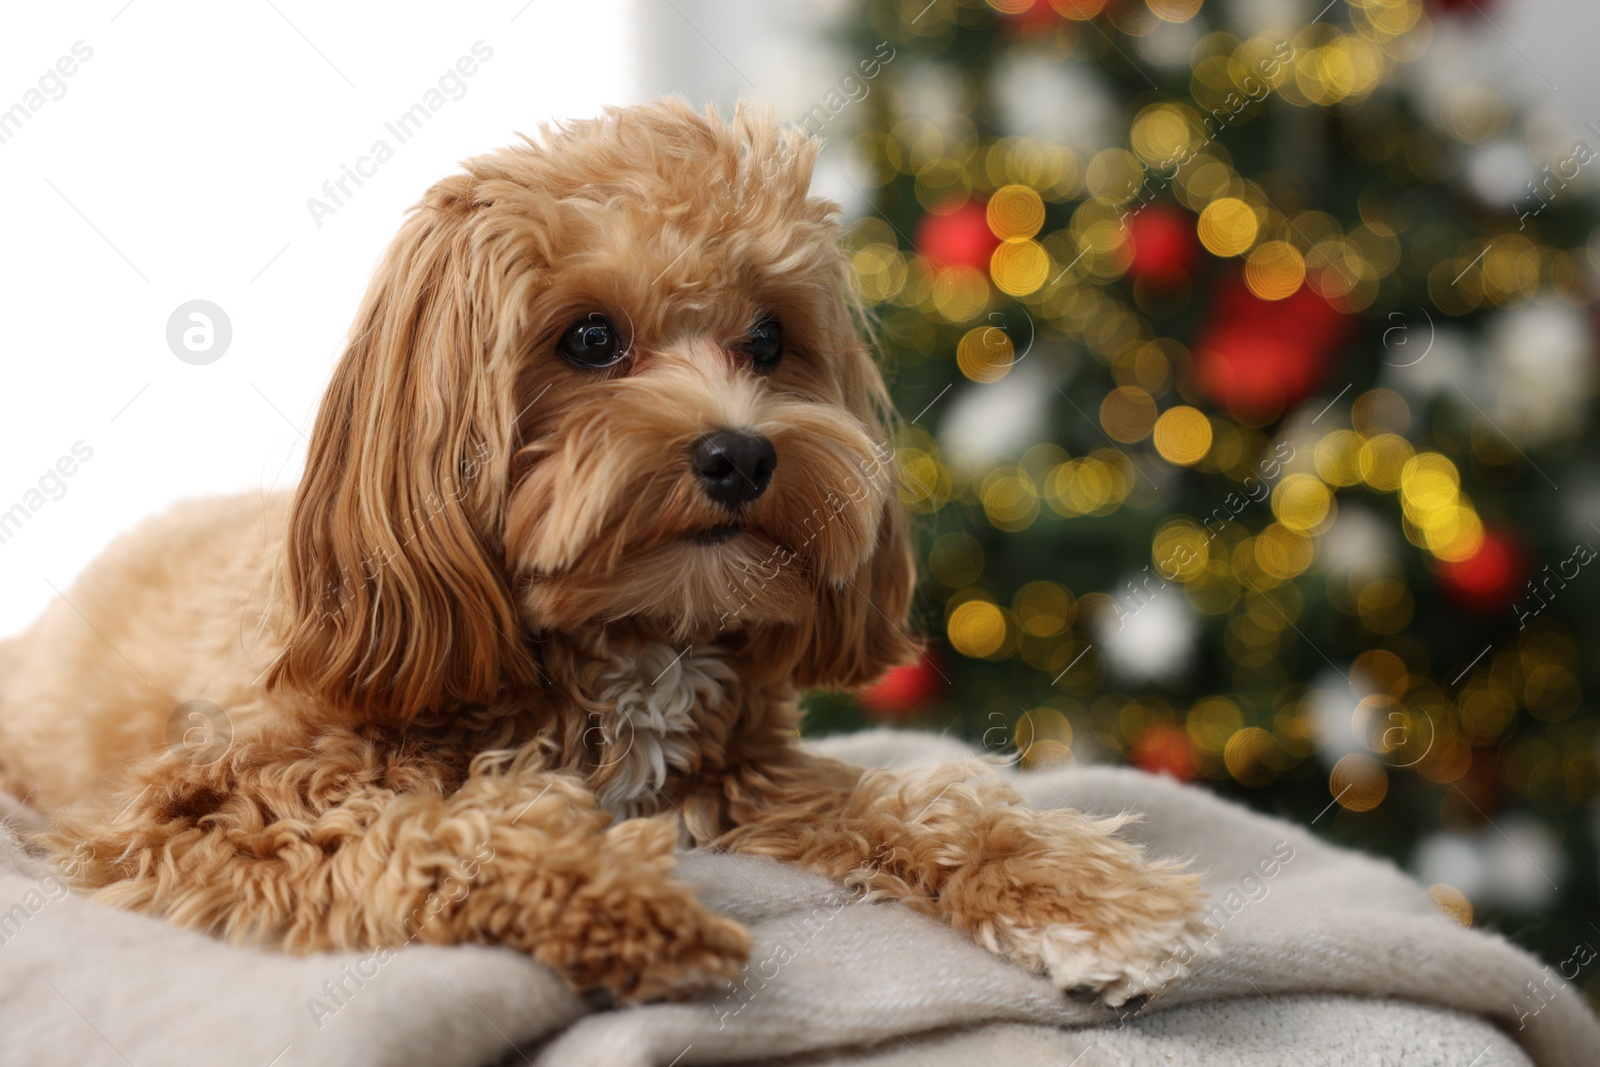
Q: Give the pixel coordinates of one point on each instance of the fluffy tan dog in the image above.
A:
(600, 484)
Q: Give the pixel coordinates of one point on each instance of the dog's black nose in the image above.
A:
(734, 466)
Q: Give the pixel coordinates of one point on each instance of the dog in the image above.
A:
(601, 484)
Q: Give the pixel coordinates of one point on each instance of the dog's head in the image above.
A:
(610, 376)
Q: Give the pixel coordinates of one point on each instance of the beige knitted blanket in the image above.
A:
(1331, 958)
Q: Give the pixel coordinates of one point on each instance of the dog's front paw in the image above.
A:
(1123, 967)
(1091, 911)
(611, 920)
(651, 940)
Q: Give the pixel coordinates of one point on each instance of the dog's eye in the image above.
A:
(764, 343)
(591, 342)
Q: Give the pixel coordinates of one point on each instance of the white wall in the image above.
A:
(175, 165)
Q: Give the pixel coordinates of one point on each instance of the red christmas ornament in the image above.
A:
(1257, 358)
(1166, 750)
(1163, 243)
(1491, 578)
(906, 689)
(959, 238)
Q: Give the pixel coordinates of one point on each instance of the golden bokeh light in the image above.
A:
(1358, 782)
(1044, 609)
(925, 483)
(1043, 738)
(1428, 481)
(1093, 485)
(1452, 901)
(1379, 411)
(1019, 267)
(880, 271)
(1183, 435)
(1301, 502)
(1211, 722)
(1455, 535)
(1010, 501)
(977, 629)
(1015, 212)
(1250, 755)
(1282, 552)
(1161, 135)
(1078, 10)
(1128, 414)
(1338, 458)
(985, 353)
(1228, 227)
(1180, 550)
(1382, 459)
(1175, 10)
(1510, 268)
(1274, 270)
(1114, 176)
(960, 294)
(1387, 18)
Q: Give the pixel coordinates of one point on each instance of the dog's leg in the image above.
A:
(337, 847)
(1054, 890)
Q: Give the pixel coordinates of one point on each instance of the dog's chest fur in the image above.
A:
(649, 694)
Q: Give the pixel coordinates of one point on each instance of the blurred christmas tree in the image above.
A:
(1246, 361)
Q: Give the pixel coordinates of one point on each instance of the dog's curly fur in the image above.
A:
(486, 670)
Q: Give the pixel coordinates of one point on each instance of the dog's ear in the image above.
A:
(859, 630)
(393, 584)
